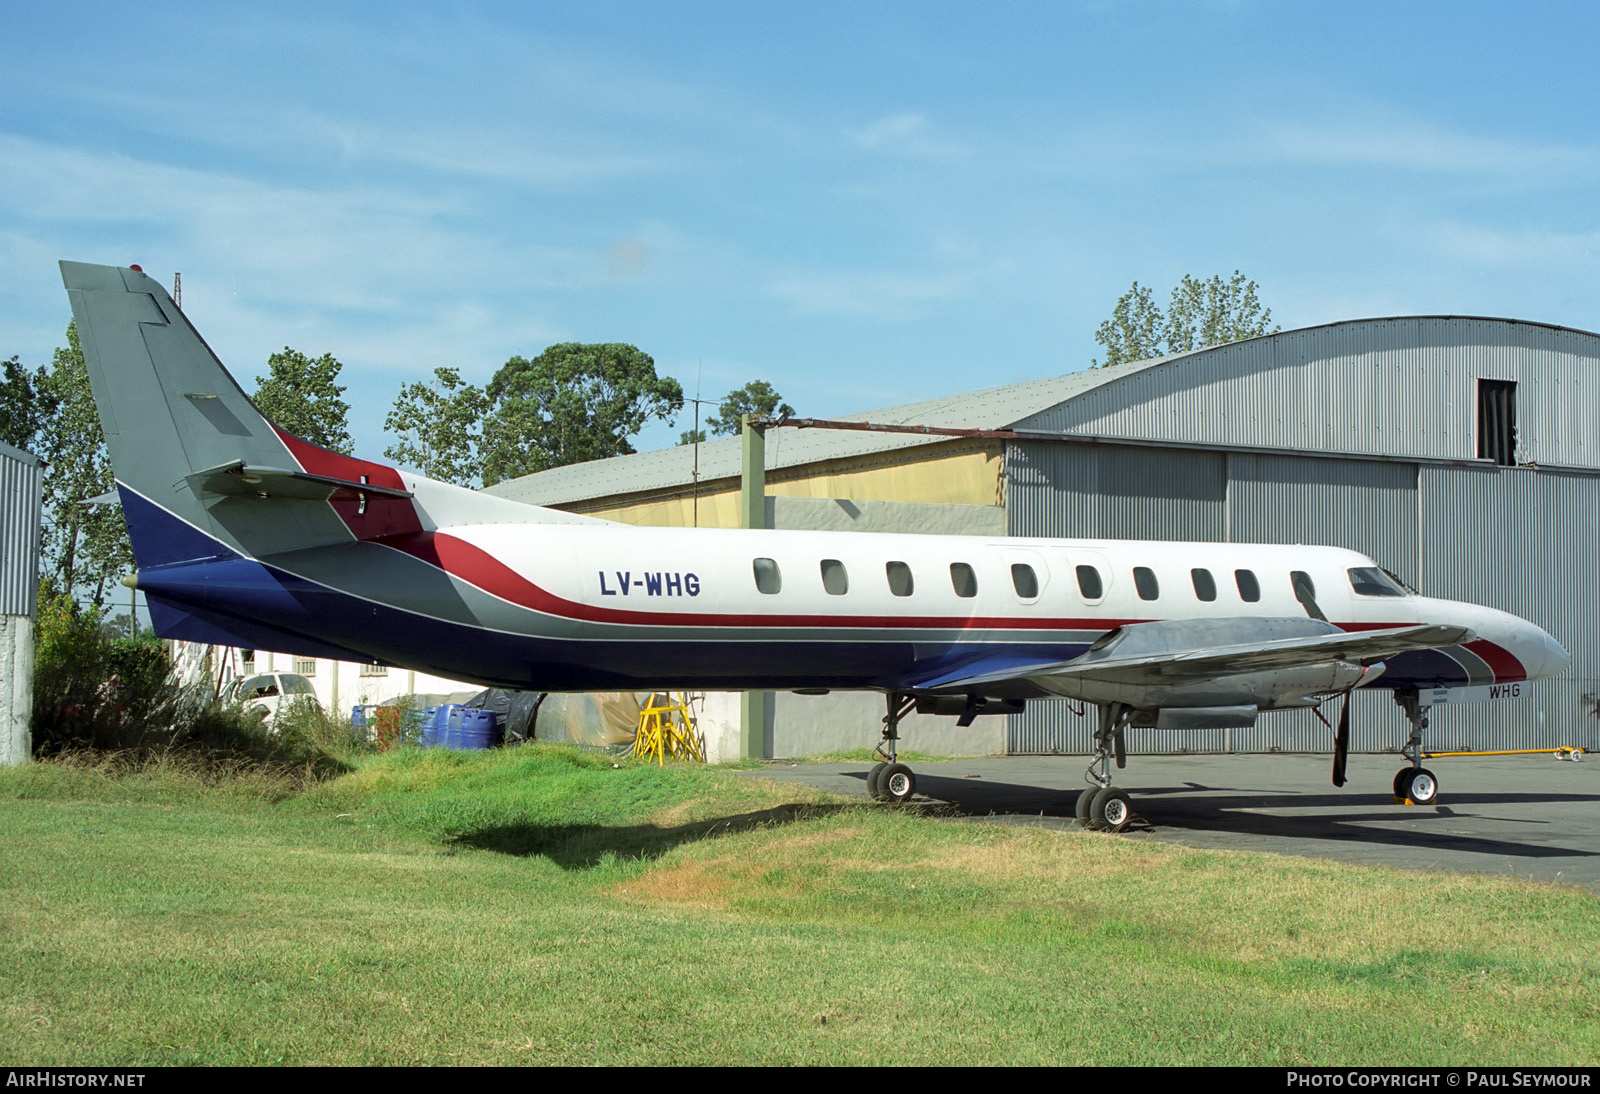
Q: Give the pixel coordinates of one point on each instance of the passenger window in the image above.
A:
(1089, 584)
(768, 579)
(899, 574)
(1249, 587)
(963, 580)
(1144, 579)
(1204, 586)
(834, 578)
(1024, 580)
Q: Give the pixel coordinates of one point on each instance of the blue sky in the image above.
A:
(862, 203)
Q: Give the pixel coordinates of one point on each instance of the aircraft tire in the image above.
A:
(1400, 778)
(874, 781)
(1422, 788)
(897, 783)
(1081, 809)
(1110, 811)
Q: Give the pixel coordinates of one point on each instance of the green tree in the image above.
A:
(1200, 313)
(756, 397)
(85, 547)
(24, 404)
(440, 428)
(1212, 312)
(574, 402)
(302, 395)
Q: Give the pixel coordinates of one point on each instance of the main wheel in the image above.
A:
(897, 783)
(1421, 788)
(1085, 800)
(875, 781)
(1110, 810)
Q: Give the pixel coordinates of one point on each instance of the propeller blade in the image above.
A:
(1341, 743)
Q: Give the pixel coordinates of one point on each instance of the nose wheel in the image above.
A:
(1416, 785)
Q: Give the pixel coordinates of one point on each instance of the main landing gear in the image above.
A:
(891, 780)
(1414, 785)
(1103, 807)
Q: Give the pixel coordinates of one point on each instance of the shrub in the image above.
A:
(94, 690)
(97, 691)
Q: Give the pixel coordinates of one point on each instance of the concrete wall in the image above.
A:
(806, 725)
(16, 688)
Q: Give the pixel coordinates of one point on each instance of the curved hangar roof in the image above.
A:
(1402, 387)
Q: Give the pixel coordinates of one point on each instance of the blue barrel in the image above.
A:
(471, 728)
(432, 727)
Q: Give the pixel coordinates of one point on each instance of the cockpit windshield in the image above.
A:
(1373, 581)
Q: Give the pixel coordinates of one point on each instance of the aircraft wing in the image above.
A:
(1136, 662)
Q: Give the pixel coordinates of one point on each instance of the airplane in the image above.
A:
(245, 535)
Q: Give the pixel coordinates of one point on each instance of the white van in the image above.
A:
(266, 691)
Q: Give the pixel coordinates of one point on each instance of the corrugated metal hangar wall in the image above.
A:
(1363, 435)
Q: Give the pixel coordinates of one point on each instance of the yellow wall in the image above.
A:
(962, 472)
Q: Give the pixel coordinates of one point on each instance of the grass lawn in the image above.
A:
(547, 906)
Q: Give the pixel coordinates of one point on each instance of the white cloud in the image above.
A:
(904, 134)
(1489, 246)
(881, 295)
(1380, 140)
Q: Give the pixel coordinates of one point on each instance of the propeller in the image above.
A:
(1341, 742)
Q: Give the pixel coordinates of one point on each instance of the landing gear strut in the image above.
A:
(1103, 807)
(1414, 785)
(891, 780)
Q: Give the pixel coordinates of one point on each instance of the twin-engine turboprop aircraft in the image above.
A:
(247, 536)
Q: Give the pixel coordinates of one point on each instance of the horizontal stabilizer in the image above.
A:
(238, 479)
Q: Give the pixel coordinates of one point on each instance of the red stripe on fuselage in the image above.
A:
(1501, 661)
(380, 516)
(478, 567)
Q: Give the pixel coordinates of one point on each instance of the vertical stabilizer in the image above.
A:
(177, 426)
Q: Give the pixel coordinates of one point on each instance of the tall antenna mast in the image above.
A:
(695, 487)
(177, 289)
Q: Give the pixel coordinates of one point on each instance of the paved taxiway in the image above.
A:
(1531, 816)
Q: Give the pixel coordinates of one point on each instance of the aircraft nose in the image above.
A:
(1541, 655)
(1555, 657)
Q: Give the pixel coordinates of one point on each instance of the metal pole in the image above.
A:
(753, 705)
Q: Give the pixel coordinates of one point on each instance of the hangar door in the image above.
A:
(1136, 492)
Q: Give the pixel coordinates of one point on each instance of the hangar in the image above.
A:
(1462, 453)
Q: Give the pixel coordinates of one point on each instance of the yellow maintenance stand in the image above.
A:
(667, 728)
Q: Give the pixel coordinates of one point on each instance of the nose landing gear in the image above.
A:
(1414, 785)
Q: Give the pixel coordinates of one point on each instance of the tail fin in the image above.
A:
(192, 455)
